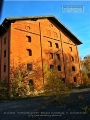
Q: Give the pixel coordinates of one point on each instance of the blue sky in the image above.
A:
(77, 22)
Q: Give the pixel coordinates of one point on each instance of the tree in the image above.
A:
(85, 65)
(55, 87)
(21, 79)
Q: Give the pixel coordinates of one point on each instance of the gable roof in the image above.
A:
(5, 24)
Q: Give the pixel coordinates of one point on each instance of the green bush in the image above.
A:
(3, 90)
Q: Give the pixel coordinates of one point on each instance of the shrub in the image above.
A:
(55, 87)
(3, 90)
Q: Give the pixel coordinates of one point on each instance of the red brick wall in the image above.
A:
(41, 32)
(4, 58)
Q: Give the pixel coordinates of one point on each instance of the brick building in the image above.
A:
(41, 40)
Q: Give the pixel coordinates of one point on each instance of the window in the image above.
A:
(29, 52)
(70, 49)
(63, 79)
(29, 67)
(57, 46)
(4, 53)
(75, 80)
(4, 68)
(59, 68)
(73, 68)
(29, 38)
(50, 44)
(31, 82)
(58, 56)
(4, 40)
(51, 56)
(72, 58)
(51, 66)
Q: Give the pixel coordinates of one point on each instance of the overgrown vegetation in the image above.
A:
(55, 87)
(4, 93)
(85, 69)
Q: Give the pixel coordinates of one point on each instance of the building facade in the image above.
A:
(36, 41)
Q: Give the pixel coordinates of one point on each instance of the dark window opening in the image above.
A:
(70, 49)
(51, 67)
(72, 58)
(31, 82)
(73, 68)
(4, 40)
(29, 38)
(63, 79)
(59, 68)
(57, 46)
(5, 53)
(29, 67)
(75, 80)
(4, 68)
(50, 44)
(58, 56)
(51, 55)
(29, 52)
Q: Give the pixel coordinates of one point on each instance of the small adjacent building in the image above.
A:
(40, 40)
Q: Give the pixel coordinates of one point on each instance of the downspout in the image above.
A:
(41, 54)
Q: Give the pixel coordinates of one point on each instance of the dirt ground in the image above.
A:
(38, 108)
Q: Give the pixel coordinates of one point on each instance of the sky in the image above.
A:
(75, 15)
